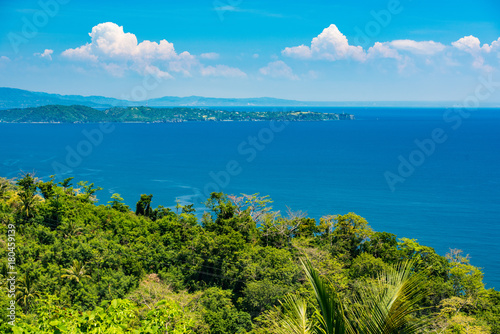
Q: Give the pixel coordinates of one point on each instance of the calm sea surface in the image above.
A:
(444, 192)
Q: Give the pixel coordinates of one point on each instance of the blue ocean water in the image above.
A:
(446, 195)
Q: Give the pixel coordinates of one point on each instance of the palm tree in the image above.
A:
(383, 307)
(25, 292)
(27, 195)
(75, 272)
(71, 228)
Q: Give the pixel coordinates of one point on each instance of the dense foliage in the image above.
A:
(83, 114)
(88, 268)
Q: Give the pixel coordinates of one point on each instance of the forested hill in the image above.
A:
(70, 266)
(83, 114)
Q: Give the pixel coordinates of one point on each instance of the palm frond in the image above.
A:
(385, 306)
(294, 319)
(330, 311)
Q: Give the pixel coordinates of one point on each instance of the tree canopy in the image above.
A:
(238, 267)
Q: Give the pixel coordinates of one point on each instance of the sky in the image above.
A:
(377, 50)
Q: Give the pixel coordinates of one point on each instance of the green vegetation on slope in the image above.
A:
(241, 268)
(82, 114)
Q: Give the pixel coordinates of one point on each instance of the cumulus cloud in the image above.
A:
(222, 71)
(383, 50)
(108, 40)
(495, 46)
(118, 51)
(47, 54)
(472, 46)
(278, 69)
(210, 55)
(82, 53)
(402, 50)
(386, 50)
(300, 52)
(184, 63)
(115, 50)
(331, 44)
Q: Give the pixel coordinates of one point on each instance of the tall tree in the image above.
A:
(26, 292)
(350, 232)
(27, 196)
(143, 206)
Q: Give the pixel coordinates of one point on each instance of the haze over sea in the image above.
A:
(452, 200)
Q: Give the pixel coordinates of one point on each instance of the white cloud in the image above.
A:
(222, 71)
(278, 69)
(331, 45)
(383, 50)
(210, 55)
(255, 56)
(403, 50)
(472, 45)
(114, 69)
(82, 53)
(300, 52)
(156, 72)
(118, 52)
(495, 46)
(185, 63)
(47, 54)
(110, 41)
(420, 48)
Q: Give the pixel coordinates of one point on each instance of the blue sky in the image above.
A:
(390, 50)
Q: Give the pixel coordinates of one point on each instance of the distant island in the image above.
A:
(83, 114)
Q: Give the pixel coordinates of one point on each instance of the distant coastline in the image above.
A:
(53, 114)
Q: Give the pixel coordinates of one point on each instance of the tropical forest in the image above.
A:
(72, 264)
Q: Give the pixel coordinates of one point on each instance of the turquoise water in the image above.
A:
(450, 197)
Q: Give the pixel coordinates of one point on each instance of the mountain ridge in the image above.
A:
(11, 98)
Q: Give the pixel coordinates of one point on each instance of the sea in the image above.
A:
(427, 174)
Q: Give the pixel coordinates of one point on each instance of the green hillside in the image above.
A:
(73, 266)
(82, 114)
